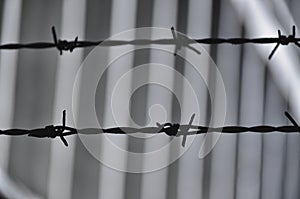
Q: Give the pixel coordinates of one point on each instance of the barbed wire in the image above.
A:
(178, 40)
(170, 129)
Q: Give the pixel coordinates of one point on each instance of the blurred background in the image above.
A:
(36, 85)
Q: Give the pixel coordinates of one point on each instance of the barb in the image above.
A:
(63, 44)
(184, 130)
(285, 40)
(178, 40)
(49, 131)
(174, 130)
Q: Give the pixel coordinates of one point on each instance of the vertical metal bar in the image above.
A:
(251, 113)
(123, 16)
(164, 15)
(283, 67)
(138, 102)
(62, 158)
(86, 167)
(274, 145)
(34, 91)
(190, 171)
(292, 160)
(210, 116)
(228, 62)
(10, 31)
(179, 114)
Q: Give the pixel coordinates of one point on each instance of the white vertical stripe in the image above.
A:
(62, 158)
(8, 66)
(123, 18)
(274, 145)
(164, 15)
(190, 166)
(251, 113)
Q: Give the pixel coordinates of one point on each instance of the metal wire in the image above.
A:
(178, 40)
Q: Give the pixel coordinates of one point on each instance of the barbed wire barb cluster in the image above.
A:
(169, 129)
(285, 40)
(178, 40)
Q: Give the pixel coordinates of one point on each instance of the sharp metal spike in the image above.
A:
(64, 118)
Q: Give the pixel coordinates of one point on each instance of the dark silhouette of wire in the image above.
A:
(169, 129)
(178, 40)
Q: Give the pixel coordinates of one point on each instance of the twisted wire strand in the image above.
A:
(168, 128)
(65, 45)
